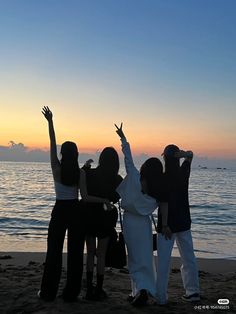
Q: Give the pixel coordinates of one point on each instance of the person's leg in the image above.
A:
(164, 249)
(91, 252)
(101, 256)
(143, 270)
(53, 263)
(75, 259)
(189, 270)
(140, 253)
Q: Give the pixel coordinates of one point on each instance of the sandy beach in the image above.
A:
(20, 276)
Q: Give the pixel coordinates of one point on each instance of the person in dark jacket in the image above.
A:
(178, 226)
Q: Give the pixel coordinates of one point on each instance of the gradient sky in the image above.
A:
(166, 68)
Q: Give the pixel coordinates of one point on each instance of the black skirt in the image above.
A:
(98, 222)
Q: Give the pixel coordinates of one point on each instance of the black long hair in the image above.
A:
(172, 163)
(69, 164)
(109, 163)
(152, 172)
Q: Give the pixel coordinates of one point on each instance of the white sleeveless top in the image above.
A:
(65, 192)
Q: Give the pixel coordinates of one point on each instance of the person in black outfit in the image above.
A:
(101, 182)
(177, 226)
(66, 216)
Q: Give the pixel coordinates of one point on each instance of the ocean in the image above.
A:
(27, 197)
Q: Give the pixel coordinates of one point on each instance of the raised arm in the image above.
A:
(53, 146)
(89, 198)
(186, 165)
(129, 163)
(187, 155)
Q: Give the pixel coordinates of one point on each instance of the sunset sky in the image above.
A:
(166, 68)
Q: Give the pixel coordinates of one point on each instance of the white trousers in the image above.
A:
(189, 271)
(138, 238)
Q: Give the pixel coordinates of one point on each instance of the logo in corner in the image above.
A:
(223, 301)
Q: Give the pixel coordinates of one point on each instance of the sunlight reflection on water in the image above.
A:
(27, 198)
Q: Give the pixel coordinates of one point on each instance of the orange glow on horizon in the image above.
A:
(137, 148)
(146, 135)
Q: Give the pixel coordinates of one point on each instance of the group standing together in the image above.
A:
(91, 219)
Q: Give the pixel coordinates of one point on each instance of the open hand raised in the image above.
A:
(47, 113)
(119, 130)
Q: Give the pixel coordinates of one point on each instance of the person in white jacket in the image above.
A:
(140, 194)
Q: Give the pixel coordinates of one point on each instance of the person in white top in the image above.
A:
(66, 216)
(140, 194)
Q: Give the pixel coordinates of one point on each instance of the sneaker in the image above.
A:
(191, 298)
(140, 299)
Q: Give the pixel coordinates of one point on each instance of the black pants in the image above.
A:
(65, 216)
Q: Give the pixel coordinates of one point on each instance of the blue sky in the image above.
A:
(166, 68)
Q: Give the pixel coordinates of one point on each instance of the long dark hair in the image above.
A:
(109, 162)
(69, 164)
(172, 163)
(152, 172)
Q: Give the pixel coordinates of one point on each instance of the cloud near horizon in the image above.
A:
(18, 152)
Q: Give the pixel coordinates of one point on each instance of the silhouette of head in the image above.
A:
(172, 163)
(170, 150)
(69, 150)
(151, 175)
(69, 163)
(109, 160)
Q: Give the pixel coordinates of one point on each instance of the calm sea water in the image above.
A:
(27, 198)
